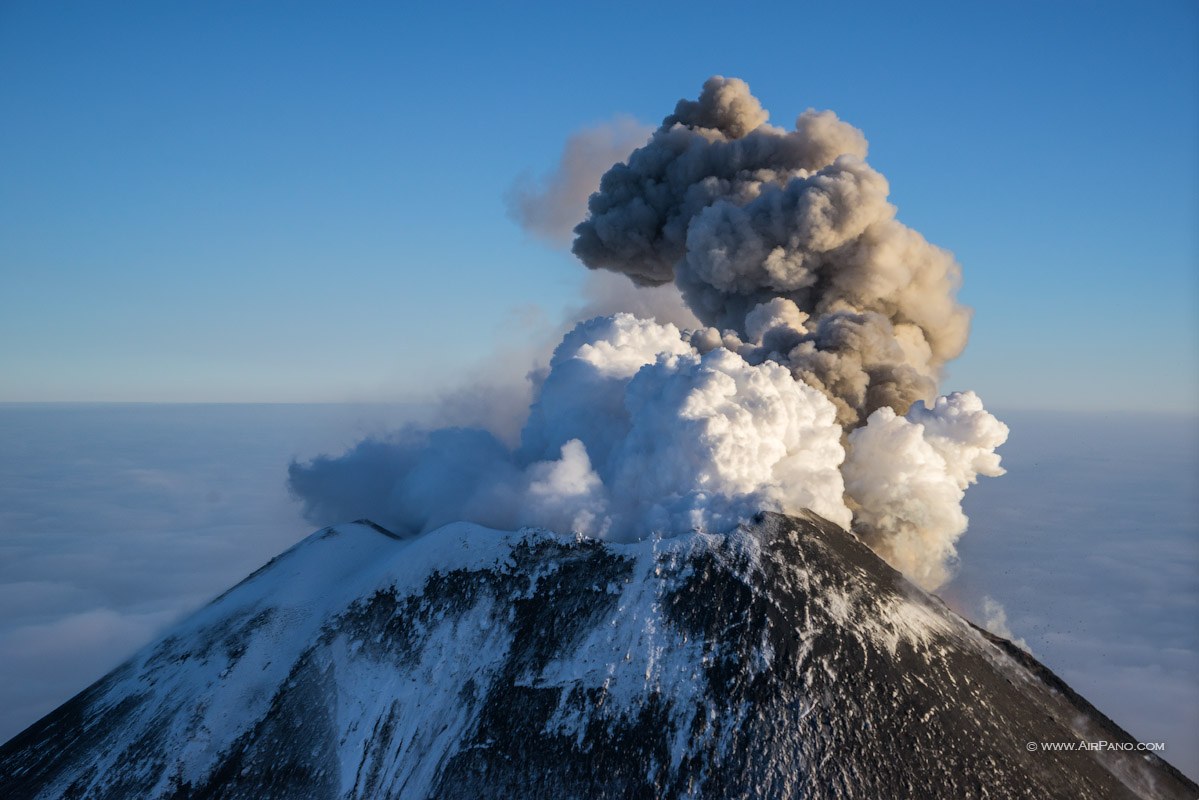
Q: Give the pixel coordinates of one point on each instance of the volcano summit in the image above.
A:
(784, 659)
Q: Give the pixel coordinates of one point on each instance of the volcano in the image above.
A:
(782, 659)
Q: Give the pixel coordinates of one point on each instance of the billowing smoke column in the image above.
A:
(905, 478)
(740, 213)
(812, 386)
(633, 431)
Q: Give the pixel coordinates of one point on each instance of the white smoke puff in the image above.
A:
(995, 621)
(633, 432)
(772, 315)
(906, 477)
(619, 345)
(964, 433)
(714, 439)
(582, 396)
(567, 494)
(684, 440)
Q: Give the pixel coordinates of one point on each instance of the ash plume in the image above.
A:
(738, 213)
(804, 372)
(550, 206)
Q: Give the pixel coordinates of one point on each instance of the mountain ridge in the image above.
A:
(781, 659)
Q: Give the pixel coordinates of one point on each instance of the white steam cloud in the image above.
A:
(813, 327)
(995, 620)
(906, 477)
(633, 431)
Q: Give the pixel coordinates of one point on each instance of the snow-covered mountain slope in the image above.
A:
(782, 660)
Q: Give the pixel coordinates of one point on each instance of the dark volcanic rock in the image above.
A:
(782, 660)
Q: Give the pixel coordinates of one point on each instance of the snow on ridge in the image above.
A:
(359, 665)
(215, 675)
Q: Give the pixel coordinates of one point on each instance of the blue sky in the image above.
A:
(305, 202)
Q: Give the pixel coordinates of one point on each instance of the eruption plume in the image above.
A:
(739, 213)
(810, 383)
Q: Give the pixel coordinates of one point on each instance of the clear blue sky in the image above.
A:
(290, 201)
